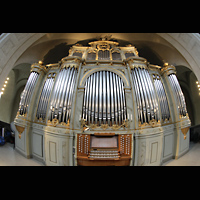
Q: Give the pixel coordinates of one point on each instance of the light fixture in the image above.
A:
(7, 78)
(6, 81)
(4, 85)
(197, 82)
(3, 89)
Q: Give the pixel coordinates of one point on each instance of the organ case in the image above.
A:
(109, 103)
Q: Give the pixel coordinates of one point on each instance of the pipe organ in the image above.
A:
(102, 105)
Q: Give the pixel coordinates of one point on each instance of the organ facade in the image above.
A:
(102, 105)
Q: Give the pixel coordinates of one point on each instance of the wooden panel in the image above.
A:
(123, 162)
(168, 145)
(103, 142)
(52, 152)
(83, 143)
(37, 144)
(125, 144)
(154, 152)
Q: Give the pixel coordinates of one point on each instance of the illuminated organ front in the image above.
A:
(102, 105)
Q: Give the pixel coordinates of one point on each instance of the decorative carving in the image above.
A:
(104, 126)
(153, 123)
(184, 131)
(55, 122)
(20, 130)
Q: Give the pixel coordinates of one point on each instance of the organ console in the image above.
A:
(104, 149)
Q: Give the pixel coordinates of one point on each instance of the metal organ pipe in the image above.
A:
(138, 98)
(140, 86)
(105, 91)
(179, 94)
(66, 95)
(104, 97)
(164, 100)
(60, 106)
(100, 98)
(24, 93)
(90, 100)
(115, 99)
(153, 95)
(55, 95)
(118, 99)
(176, 92)
(112, 99)
(44, 98)
(97, 98)
(25, 100)
(108, 96)
(93, 98)
(29, 92)
(147, 105)
(162, 97)
(69, 104)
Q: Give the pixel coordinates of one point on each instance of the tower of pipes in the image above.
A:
(102, 105)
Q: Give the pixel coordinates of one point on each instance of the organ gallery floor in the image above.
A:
(9, 157)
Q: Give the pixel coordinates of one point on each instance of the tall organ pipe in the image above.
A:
(21, 104)
(100, 98)
(104, 96)
(153, 95)
(158, 89)
(66, 92)
(97, 98)
(115, 99)
(69, 104)
(163, 100)
(112, 99)
(93, 98)
(60, 106)
(26, 95)
(47, 97)
(147, 105)
(142, 96)
(179, 94)
(108, 96)
(29, 92)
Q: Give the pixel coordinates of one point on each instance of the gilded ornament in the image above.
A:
(55, 122)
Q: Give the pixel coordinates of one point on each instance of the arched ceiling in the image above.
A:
(177, 49)
(150, 45)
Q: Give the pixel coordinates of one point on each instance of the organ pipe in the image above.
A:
(27, 93)
(104, 98)
(162, 98)
(147, 105)
(60, 105)
(44, 97)
(179, 94)
(104, 93)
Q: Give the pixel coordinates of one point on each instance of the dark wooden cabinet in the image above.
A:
(104, 150)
